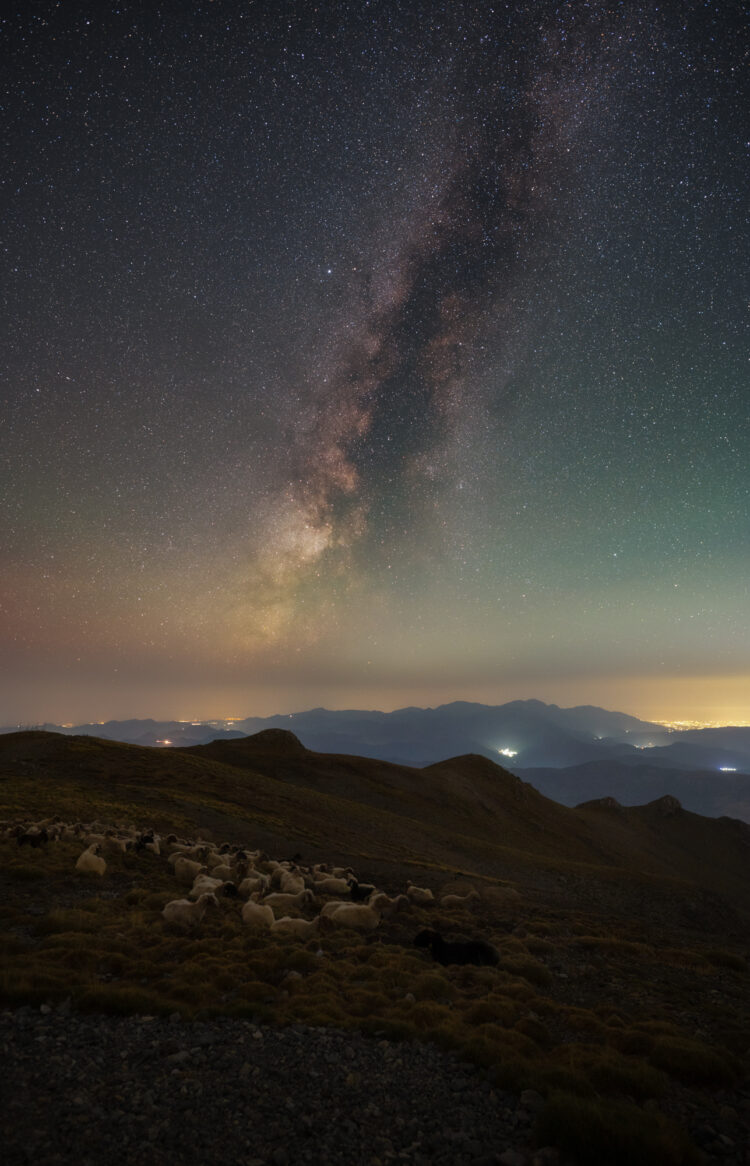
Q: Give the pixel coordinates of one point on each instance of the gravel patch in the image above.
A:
(95, 1089)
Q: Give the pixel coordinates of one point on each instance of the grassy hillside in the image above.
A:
(623, 979)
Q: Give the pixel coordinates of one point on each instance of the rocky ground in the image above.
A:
(96, 1089)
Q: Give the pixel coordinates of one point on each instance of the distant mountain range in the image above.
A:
(571, 755)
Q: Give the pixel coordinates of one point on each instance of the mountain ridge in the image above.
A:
(464, 813)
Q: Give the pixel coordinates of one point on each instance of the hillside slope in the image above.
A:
(463, 814)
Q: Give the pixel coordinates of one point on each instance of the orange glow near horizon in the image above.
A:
(697, 701)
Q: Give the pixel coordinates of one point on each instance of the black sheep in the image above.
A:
(40, 838)
(360, 891)
(472, 951)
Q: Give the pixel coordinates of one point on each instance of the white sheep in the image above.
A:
(90, 861)
(385, 905)
(303, 928)
(204, 883)
(114, 846)
(183, 913)
(186, 871)
(257, 914)
(257, 882)
(458, 900)
(281, 901)
(291, 883)
(355, 915)
(333, 886)
(419, 895)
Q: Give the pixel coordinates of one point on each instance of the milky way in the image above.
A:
(380, 352)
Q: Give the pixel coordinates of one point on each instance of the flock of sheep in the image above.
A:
(277, 896)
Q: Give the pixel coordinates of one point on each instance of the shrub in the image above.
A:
(727, 959)
(631, 1040)
(694, 1063)
(528, 969)
(535, 1031)
(613, 1132)
(490, 1011)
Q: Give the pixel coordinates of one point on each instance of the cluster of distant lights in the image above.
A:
(683, 726)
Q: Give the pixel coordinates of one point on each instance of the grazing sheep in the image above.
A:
(257, 914)
(419, 895)
(90, 861)
(473, 951)
(458, 900)
(183, 913)
(194, 853)
(303, 928)
(186, 871)
(279, 900)
(328, 908)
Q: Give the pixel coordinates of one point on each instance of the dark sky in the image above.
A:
(374, 354)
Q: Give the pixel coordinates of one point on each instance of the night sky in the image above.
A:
(374, 354)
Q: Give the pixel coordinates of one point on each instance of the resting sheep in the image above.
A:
(386, 906)
(419, 895)
(257, 882)
(472, 951)
(279, 900)
(186, 871)
(114, 846)
(332, 886)
(354, 915)
(33, 837)
(148, 840)
(204, 883)
(303, 928)
(360, 892)
(458, 900)
(290, 882)
(183, 913)
(90, 862)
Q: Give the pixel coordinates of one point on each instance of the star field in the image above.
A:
(374, 354)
